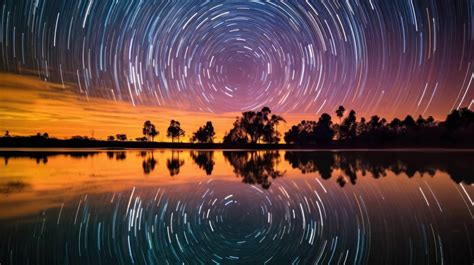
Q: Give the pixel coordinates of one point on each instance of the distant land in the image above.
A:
(259, 130)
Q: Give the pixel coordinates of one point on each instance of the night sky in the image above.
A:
(390, 58)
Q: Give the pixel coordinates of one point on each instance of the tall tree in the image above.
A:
(348, 128)
(323, 130)
(149, 130)
(174, 130)
(204, 134)
(253, 126)
(340, 112)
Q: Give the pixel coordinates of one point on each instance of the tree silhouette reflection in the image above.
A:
(149, 162)
(174, 163)
(204, 159)
(255, 167)
(377, 164)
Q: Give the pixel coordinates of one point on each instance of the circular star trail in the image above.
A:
(374, 56)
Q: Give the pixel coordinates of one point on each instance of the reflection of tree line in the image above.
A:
(255, 167)
(260, 167)
(42, 157)
(377, 164)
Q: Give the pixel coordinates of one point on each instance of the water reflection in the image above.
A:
(260, 167)
(255, 167)
(204, 159)
(42, 157)
(377, 164)
(149, 162)
(174, 163)
(128, 207)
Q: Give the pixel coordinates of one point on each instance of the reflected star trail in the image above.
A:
(396, 208)
(303, 56)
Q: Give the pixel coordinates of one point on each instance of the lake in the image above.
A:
(236, 207)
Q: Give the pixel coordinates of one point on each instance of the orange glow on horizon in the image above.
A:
(29, 105)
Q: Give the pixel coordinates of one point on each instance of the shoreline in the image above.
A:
(23, 145)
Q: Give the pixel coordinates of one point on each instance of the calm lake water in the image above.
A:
(236, 207)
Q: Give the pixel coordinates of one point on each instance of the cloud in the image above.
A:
(30, 105)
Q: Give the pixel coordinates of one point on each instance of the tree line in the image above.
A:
(255, 127)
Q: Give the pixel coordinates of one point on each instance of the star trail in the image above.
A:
(394, 57)
(397, 207)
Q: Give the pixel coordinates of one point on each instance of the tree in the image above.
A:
(395, 124)
(110, 138)
(340, 112)
(7, 134)
(323, 131)
(149, 130)
(292, 136)
(348, 128)
(174, 130)
(270, 129)
(121, 137)
(409, 122)
(431, 121)
(253, 126)
(361, 127)
(459, 118)
(374, 123)
(421, 122)
(204, 134)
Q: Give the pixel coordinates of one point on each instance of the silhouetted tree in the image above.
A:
(459, 118)
(340, 112)
(431, 121)
(7, 134)
(323, 131)
(374, 123)
(174, 130)
(348, 128)
(121, 137)
(110, 138)
(361, 127)
(409, 122)
(204, 134)
(253, 126)
(149, 130)
(310, 132)
(395, 125)
(270, 129)
(421, 122)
